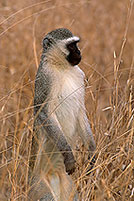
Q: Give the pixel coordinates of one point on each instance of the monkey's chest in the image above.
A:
(69, 101)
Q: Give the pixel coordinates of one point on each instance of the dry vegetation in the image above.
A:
(107, 32)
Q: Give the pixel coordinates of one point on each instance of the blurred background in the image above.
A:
(106, 29)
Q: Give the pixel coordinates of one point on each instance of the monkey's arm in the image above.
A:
(85, 131)
(87, 136)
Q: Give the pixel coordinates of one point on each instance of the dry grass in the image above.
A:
(107, 30)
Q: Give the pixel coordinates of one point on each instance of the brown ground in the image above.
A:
(106, 29)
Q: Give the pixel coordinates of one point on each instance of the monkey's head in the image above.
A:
(62, 44)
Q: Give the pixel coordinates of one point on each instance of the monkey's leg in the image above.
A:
(50, 181)
(61, 186)
(68, 191)
(54, 187)
(59, 182)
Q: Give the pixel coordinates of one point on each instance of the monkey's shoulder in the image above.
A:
(43, 82)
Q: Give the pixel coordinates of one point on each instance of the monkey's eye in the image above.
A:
(72, 46)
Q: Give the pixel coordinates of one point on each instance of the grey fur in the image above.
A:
(54, 36)
(60, 118)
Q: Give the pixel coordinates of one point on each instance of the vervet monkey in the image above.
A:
(60, 118)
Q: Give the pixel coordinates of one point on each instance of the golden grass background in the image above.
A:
(106, 29)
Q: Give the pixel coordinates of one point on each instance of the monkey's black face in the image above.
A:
(74, 56)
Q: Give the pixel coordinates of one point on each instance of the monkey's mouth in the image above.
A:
(75, 58)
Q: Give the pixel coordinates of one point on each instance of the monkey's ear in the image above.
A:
(47, 43)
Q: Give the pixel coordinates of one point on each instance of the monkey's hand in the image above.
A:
(69, 162)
